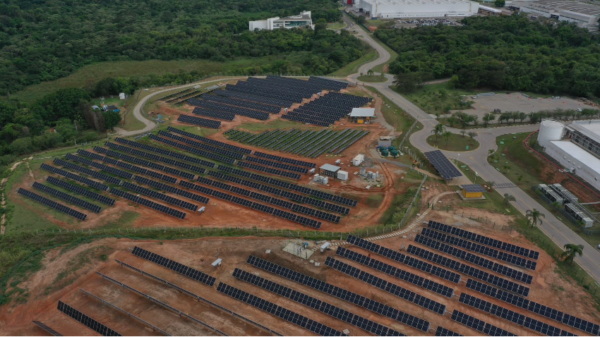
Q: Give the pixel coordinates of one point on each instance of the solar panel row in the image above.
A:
(254, 98)
(535, 307)
(67, 197)
(175, 266)
(269, 170)
(224, 115)
(273, 309)
(408, 260)
(94, 174)
(340, 293)
(444, 167)
(80, 190)
(75, 177)
(198, 152)
(441, 331)
(311, 302)
(466, 269)
(285, 160)
(512, 316)
(480, 249)
(148, 203)
(327, 109)
(164, 152)
(171, 189)
(160, 196)
(52, 204)
(479, 325)
(328, 84)
(384, 285)
(86, 320)
(479, 261)
(263, 116)
(292, 168)
(231, 101)
(108, 169)
(154, 158)
(484, 240)
(207, 123)
(210, 141)
(203, 146)
(396, 272)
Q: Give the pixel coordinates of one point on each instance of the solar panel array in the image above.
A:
(270, 91)
(254, 98)
(540, 309)
(512, 316)
(75, 177)
(254, 205)
(327, 109)
(396, 272)
(224, 115)
(86, 320)
(212, 105)
(285, 160)
(175, 266)
(531, 254)
(480, 249)
(314, 303)
(441, 331)
(198, 152)
(160, 196)
(231, 101)
(94, 174)
(340, 293)
(442, 165)
(134, 168)
(52, 204)
(269, 170)
(407, 260)
(479, 325)
(168, 153)
(461, 254)
(207, 123)
(67, 197)
(203, 146)
(289, 186)
(154, 158)
(210, 141)
(80, 190)
(148, 203)
(382, 284)
(108, 169)
(292, 168)
(328, 84)
(171, 189)
(275, 310)
(467, 270)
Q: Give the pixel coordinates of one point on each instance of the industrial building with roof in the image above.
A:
(575, 146)
(584, 15)
(361, 115)
(392, 9)
(296, 21)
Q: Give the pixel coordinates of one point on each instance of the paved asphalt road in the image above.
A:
(477, 159)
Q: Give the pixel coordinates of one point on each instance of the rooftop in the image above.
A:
(362, 112)
(580, 154)
(330, 168)
(561, 5)
(590, 129)
(473, 188)
(414, 2)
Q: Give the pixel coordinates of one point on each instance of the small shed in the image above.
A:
(359, 159)
(329, 170)
(362, 115)
(122, 96)
(385, 141)
(472, 191)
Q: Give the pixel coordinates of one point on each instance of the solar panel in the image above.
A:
(444, 167)
(177, 267)
(340, 293)
(441, 331)
(52, 204)
(210, 141)
(148, 203)
(86, 320)
(473, 188)
(316, 304)
(75, 177)
(207, 123)
(479, 325)
(273, 309)
(67, 197)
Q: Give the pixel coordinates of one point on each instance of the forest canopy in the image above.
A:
(42, 40)
(501, 53)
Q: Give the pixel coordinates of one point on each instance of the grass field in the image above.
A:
(98, 71)
(453, 143)
(372, 78)
(352, 67)
(336, 25)
(393, 56)
(437, 98)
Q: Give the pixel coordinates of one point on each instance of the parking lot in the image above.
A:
(521, 103)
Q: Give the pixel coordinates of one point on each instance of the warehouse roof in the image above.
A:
(414, 2)
(362, 112)
(591, 161)
(561, 5)
(330, 168)
(590, 129)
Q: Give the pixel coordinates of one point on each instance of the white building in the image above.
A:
(296, 21)
(391, 9)
(584, 15)
(578, 150)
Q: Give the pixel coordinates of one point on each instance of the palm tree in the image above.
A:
(463, 132)
(534, 216)
(447, 135)
(472, 135)
(437, 131)
(370, 72)
(508, 198)
(571, 251)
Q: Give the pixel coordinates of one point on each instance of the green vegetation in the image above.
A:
(352, 67)
(374, 200)
(336, 25)
(501, 53)
(438, 98)
(372, 78)
(453, 142)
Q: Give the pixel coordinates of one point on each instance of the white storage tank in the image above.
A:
(358, 160)
(342, 175)
(550, 131)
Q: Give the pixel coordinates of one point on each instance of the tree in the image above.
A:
(361, 19)
(66, 128)
(447, 135)
(409, 82)
(508, 198)
(487, 118)
(370, 72)
(21, 146)
(472, 135)
(499, 3)
(535, 217)
(112, 119)
(437, 131)
(463, 132)
(571, 251)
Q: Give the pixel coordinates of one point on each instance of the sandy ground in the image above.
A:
(548, 288)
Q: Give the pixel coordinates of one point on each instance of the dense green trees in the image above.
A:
(502, 53)
(41, 41)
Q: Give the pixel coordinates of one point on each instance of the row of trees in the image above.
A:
(501, 53)
(42, 41)
(463, 120)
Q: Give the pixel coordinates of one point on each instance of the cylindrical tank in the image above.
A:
(384, 152)
(550, 131)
